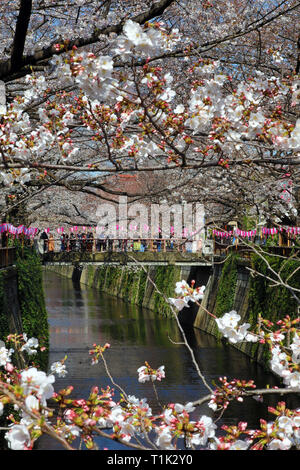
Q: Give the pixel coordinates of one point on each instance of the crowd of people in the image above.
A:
(90, 242)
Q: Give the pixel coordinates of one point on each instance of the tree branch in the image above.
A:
(20, 34)
(6, 69)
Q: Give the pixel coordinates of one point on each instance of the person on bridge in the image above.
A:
(124, 244)
(72, 242)
(78, 242)
(136, 245)
(109, 242)
(67, 242)
(101, 243)
(83, 242)
(44, 241)
(62, 242)
(90, 241)
(51, 243)
(157, 243)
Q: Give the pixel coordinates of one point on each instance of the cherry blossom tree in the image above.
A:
(205, 93)
(202, 96)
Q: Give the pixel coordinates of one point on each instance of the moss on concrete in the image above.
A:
(32, 301)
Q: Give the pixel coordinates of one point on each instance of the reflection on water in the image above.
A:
(79, 317)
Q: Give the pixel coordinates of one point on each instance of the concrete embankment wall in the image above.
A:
(241, 285)
(239, 302)
(22, 302)
(10, 313)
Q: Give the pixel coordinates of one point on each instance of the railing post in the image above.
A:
(7, 256)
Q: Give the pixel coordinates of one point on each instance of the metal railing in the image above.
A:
(119, 244)
(7, 256)
(224, 249)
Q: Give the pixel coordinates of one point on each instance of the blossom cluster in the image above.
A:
(175, 427)
(228, 391)
(186, 294)
(176, 423)
(286, 365)
(97, 352)
(229, 327)
(285, 357)
(146, 373)
(123, 90)
(280, 434)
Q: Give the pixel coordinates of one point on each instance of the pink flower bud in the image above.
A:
(9, 367)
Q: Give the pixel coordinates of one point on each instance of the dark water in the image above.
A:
(79, 317)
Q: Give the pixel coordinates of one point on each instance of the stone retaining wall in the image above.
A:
(11, 321)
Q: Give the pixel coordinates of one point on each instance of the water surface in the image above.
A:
(79, 317)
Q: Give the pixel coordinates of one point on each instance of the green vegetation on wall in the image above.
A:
(4, 325)
(226, 287)
(273, 303)
(142, 287)
(165, 280)
(33, 313)
(4, 332)
(125, 282)
(130, 284)
(32, 301)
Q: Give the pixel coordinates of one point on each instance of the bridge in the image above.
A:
(210, 252)
(127, 258)
(164, 258)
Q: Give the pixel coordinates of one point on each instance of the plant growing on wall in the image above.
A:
(4, 327)
(31, 299)
(227, 285)
(266, 296)
(165, 278)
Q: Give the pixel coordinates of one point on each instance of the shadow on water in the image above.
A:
(79, 317)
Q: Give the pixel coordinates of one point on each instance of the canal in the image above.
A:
(79, 316)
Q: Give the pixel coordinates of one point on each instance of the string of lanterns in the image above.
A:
(236, 232)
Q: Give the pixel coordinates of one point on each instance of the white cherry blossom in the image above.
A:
(18, 438)
(30, 346)
(164, 439)
(239, 445)
(280, 444)
(5, 354)
(36, 381)
(181, 287)
(179, 303)
(292, 379)
(59, 369)
(229, 319)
